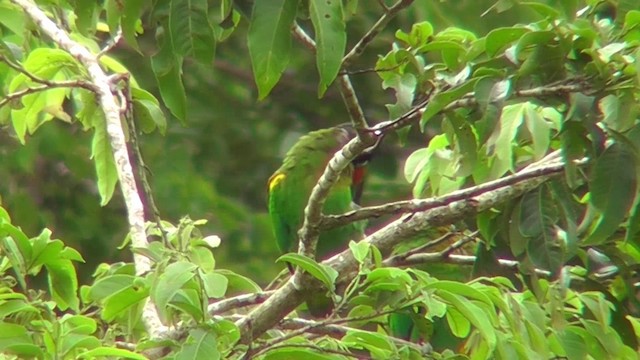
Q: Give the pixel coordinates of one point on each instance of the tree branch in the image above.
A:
(291, 294)
(430, 258)
(109, 105)
(382, 22)
(469, 100)
(408, 206)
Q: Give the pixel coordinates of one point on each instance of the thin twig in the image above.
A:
(382, 22)
(32, 90)
(112, 44)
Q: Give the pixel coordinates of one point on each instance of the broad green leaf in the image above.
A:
(503, 138)
(17, 260)
(189, 301)
(215, 285)
(377, 344)
(532, 39)
(120, 302)
(613, 188)
(167, 68)
(79, 324)
(285, 353)
(114, 10)
(321, 272)
(63, 284)
(458, 324)
(540, 131)
(573, 343)
(599, 307)
(200, 344)
(110, 285)
(15, 339)
(169, 283)
(404, 86)
(474, 314)
(538, 218)
(461, 289)
(102, 156)
(17, 306)
(86, 16)
(190, 30)
(14, 18)
(441, 100)
(110, 352)
(149, 116)
(269, 41)
(239, 283)
(360, 250)
(500, 38)
(130, 21)
(331, 40)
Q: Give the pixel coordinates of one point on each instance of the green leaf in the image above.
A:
(461, 289)
(269, 41)
(114, 13)
(130, 21)
(86, 16)
(109, 352)
(110, 285)
(331, 39)
(149, 116)
(285, 353)
(169, 283)
(321, 272)
(102, 156)
(168, 71)
(360, 250)
(474, 314)
(503, 138)
(540, 131)
(458, 324)
(63, 284)
(15, 339)
(499, 38)
(443, 99)
(404, 86)
(613, 187)
(215, 285)
(190, 30)
(200, 344)
(121, 302)
(378, 344)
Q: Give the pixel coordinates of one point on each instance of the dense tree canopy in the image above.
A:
(502, 206)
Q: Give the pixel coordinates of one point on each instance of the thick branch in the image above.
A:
(289, 296)
(439, 257)
(407, 206)
(116, 139)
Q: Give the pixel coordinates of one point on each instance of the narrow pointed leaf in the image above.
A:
(331, 39)
(269, 41)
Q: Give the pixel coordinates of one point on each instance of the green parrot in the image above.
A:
(290, 187)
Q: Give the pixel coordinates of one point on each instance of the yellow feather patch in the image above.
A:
(275, 180)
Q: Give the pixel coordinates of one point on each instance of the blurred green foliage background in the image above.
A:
(216, 165)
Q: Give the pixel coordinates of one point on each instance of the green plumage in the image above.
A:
(291, 185)
(289, 190)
